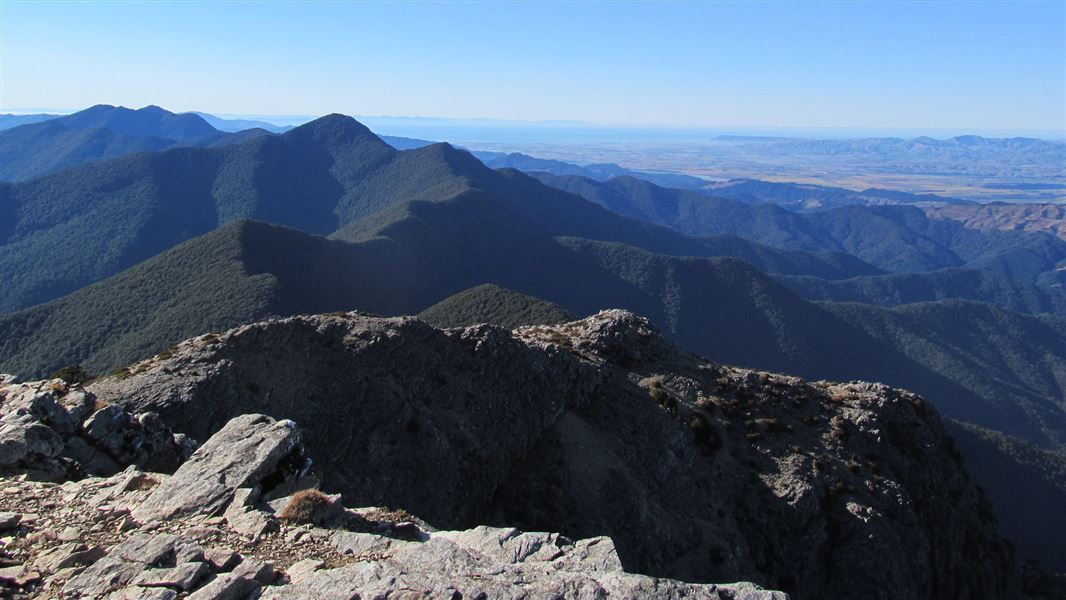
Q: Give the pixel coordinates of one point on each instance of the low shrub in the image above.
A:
(305, 506)
(72, 374)
(704, 433)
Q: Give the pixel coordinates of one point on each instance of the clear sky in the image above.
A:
(952, 65)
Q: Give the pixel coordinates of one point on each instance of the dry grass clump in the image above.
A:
(704, 433)
(305, 506)
(773, 425)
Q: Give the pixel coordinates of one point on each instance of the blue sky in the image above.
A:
(959, 65)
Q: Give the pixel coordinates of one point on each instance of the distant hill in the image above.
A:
(7, 120)
(1049, 218)
(907, 288)
(238, 273)
(38, 149)
(596, 171)
(402, 143)
(531, 164)
(147, 121)
(495, 305)
(234, 125)
(967, 155)
(806, 197)
(100, 133)
(893, 238)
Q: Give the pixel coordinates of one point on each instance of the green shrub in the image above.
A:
(72, 374)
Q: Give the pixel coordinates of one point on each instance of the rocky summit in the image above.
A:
(653, 465)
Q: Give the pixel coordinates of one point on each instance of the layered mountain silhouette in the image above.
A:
(895, 289)
(892, 238)
(596, 171)
(978, 363)
(61, 232)
(147, 121)
(424, 224)
(8, 120)
(103, 132)
(804, 197)
(235, 125)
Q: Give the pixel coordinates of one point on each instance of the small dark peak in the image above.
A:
(98, 108)
(968, 140)
(495, 305)
(335, 130)
(459, 160)
(331, 123)
(153, 109)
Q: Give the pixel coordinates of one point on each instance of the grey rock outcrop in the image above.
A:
(500, 564)
(249, 450)
(376, 397)
(599, 427)
(54, 431)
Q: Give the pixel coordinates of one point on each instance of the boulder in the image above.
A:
(69, 555)
(9, 520)
(24, 440)
(50, 430)
(103, 577)
(183, 576)
(226, 587)
(250, 450)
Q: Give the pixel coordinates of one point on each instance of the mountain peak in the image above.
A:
(151, 120)
(334, 128)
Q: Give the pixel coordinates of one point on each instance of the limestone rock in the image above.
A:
(9, 520)
(24, 440)
(147, 548)
(50, 430)
(143, 593)
(103, 577)
(183, 576)
(259, 571)
(68, 555)
(247, 451)
(303, 569)
(226, 587)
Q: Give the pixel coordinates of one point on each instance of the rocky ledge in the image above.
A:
(644, 458)
(234, 522)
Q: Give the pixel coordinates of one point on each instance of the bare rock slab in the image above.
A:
(242, 454)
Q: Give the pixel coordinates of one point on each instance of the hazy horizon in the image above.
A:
(940, 67)
(414, 125)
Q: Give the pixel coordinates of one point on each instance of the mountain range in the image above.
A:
(969, 155)
(892, 238)
(807, 197)
(103, 132)
(110, 261)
